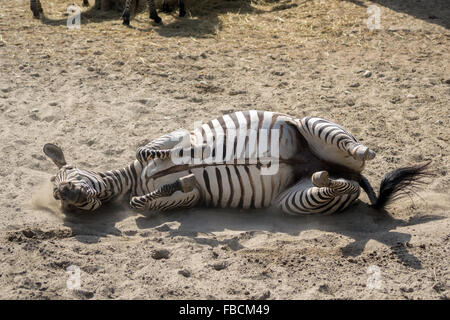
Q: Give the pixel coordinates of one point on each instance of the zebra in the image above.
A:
(247, 159)
(36, 7)
(152, 10)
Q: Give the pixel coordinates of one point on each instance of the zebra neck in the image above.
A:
(121, 181)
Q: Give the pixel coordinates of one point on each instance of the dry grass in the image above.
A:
(263, 23)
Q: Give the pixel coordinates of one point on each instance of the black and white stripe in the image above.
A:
(227, 162)
(90, 189)
(305, 198)
(228, 173)
(331, 142)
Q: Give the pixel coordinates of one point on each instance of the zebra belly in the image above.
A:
(232, 185)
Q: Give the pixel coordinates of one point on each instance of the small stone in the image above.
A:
(185, 273)
(196, 99)
(350, 102)
(264, 296)
(355, 85)
(98, 53)
(411, 96)
(220, 265)
(83, 294)
(278, 73)
(367, 74)
(90, 69)
(237, 92)
(324, 288)
(395, 100)
(160, 254)
(439, 287)
(107, 291)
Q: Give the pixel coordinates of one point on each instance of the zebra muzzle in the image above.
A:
(67, 191)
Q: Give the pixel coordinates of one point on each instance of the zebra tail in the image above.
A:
(136, 6)
(396, 184)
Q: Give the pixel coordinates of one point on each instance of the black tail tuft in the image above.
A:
(397, 184)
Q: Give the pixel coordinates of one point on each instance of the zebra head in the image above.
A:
(74, 187)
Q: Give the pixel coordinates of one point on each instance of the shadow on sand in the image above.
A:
(201, 21)
(203, 17)
(359, 223)
(431, 11)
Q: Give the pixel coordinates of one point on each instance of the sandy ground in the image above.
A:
(101, 91)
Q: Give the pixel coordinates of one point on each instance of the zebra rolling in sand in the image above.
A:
(249, 159)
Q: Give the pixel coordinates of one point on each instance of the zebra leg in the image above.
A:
(152, 10)
(167, 197)
(126, 13)
(85, 3)
(165, 7)
(162, 147)
(36, 8)
(324, 195)
(332, 142)
(182, 8)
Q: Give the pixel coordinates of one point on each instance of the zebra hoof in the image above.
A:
(363, 153)
(157, 19)
(126, 18)
(36, 14)
(187, 183)
(320, 179)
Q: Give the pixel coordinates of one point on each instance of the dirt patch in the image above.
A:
(101, 91)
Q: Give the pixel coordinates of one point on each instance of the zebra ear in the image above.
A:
(55, 153)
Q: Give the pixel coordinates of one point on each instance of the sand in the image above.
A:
(101, 91)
